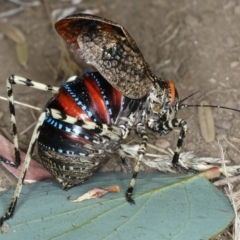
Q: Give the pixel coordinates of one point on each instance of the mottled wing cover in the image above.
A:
(110, 49)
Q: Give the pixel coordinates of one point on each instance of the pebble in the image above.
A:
(213, 80)
(192, 21)
(234, 64)
(237, 10)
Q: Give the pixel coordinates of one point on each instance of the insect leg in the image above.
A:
(166, 127)
(27, 160)
(13, 79)
(141, 152)
(112, 132)
(29, 83)
(124, 160)
(183, 125)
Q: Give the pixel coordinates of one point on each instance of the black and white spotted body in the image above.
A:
(74, 142)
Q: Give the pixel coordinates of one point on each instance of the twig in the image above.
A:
(23, 104)
(26, 4)
(232, 145)
(224, 181)
(171, 37)
(28, 128)
(11, 12)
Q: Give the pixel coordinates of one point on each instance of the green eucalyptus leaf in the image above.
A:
(167, 206)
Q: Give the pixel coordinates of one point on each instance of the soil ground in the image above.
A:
(196, 44)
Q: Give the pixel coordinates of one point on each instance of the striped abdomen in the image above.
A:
(70, 152)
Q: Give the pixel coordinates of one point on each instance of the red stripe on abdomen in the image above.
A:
(70, 106)
(97, 100)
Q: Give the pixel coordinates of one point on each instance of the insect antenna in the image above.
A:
(202, 105)
(181, 106)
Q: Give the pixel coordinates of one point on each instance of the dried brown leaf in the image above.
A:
(212, 173)
(12, 32)
(97, 193)
(206, 122)
(22, 54)
(115, 189)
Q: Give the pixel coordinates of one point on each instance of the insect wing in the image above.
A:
(110, 49)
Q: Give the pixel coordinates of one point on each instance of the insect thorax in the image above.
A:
(162, 102)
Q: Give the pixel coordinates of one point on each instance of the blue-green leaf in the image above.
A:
(172, 207)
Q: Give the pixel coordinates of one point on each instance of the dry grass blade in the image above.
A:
(234, 139)
(28, 128)
(26, 4)
(163, 162)
(223, 182)
(19, 38)
(235, 201)
(22, 104)
(171, 37)
(11, 12)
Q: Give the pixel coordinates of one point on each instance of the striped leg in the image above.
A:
(141, 152)
(166, 127)
(29, 83)
(27, 160)
(112, 132)
(183, 125)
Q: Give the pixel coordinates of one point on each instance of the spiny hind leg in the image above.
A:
(28, 83)
(26, 163)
